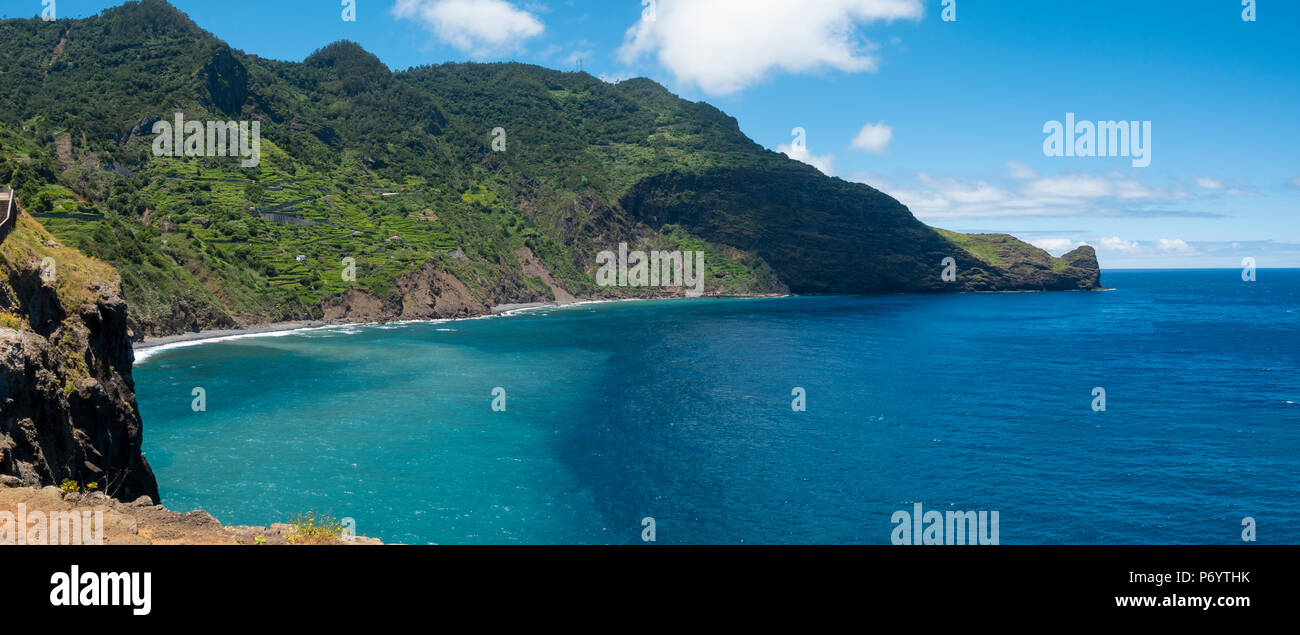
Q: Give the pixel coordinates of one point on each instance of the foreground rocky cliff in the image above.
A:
(70, 433)
(141, 522)
(67, 401)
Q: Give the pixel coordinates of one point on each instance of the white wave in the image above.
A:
(145, 353)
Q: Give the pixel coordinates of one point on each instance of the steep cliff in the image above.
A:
(67, 401)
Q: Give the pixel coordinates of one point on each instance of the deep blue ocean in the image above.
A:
(682, 411)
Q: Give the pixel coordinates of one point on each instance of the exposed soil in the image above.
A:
(143, 523)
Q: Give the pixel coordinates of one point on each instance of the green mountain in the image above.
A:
(401, 174)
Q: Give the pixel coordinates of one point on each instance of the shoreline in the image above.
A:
(202, 336)
(281, 328)
(143, 349)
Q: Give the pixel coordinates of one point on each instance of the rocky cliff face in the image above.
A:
(67, 400)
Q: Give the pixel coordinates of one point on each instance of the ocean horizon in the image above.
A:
(686, 412)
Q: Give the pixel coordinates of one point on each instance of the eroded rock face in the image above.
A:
(533, 266)
(424, 294)
(186, 316)
(67, 400)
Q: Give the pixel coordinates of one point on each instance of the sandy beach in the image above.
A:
(200, 336)
(144, 348)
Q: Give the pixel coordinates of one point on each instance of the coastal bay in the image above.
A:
(681, 411)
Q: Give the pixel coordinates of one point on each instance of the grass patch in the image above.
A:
(313, 529)
(976, 245)
(10, 321)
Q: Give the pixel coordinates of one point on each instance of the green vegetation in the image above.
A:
(977, 244)
(28, 245)
(313, 529)
(396, 170)
(1003, 250)
(391, 170)
(10, 321)
(72, 487)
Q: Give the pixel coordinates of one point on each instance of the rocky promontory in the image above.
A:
(67, 400)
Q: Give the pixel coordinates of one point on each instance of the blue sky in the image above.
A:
(947, 116)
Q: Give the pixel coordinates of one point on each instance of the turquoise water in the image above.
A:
(681, 411)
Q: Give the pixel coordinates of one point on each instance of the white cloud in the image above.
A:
(1021, 192)
(1113, 194)
(799, 152)
(1095, 186)
(1021, 171)
(1130, 189)
(936, 198)
(1173, 244)
(1117, 252)
(874, 137)
(1072, 186)
(921, 203)
(723, 46)
(1175, 252)
(962, 192)
(1295, 182)
(1056, 246)
(478, 28)
(1115, 243)
(1237, 187)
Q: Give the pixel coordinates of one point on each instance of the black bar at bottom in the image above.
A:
(308, 583)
